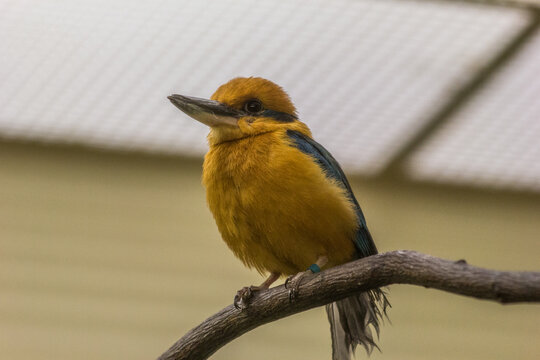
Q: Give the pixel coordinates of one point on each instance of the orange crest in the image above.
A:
(237, 91)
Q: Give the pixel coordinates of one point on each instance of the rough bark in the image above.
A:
(396, 267)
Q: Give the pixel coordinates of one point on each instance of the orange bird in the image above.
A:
(281, 201)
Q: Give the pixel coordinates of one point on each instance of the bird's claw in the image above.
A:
(293, 284)
(241, 299)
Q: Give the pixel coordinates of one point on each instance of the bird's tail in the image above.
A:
(351, 322)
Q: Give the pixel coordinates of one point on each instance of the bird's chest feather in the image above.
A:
(238, 177)
(274, 208)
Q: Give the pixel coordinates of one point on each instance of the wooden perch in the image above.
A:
(396, 267)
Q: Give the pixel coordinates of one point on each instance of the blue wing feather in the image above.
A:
(363, 240)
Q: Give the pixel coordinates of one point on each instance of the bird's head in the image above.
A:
(240, 108)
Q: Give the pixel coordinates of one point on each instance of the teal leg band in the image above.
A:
(314, 268)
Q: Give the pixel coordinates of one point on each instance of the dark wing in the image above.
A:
(363, 240)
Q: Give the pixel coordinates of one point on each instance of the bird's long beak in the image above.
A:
(209, 112)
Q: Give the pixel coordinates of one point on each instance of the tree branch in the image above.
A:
(396, 267)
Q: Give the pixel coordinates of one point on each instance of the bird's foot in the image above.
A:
(242, 297)
(241, 300)
(293, 284)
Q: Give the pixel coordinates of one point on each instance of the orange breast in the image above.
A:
(274, 206)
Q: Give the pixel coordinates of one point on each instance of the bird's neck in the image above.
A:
(246, 130)
(238, 157)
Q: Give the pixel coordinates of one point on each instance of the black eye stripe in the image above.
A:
(278, 115)
(255, 107)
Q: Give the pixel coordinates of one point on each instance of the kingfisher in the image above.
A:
(282, 202)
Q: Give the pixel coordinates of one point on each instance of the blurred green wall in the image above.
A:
(108, 255)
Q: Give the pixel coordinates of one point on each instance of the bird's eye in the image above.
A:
(253, 106)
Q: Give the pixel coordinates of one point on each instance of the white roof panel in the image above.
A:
(494, 140)
(365, 75)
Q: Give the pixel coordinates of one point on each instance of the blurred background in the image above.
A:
(107, 249)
